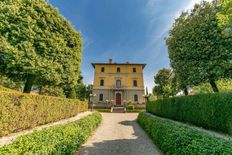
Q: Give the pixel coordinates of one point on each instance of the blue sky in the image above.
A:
(124, 30)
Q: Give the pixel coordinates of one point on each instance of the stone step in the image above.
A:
(118, 110)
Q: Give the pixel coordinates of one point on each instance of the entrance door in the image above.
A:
(118, 98)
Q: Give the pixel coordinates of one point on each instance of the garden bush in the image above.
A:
(21, 111)
(177, 139)
(211, 111)
(62, 139)
(131, 106)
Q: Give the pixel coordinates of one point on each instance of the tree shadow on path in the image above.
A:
(138, 144)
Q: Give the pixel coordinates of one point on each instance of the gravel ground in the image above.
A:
(10, 138)
(119, 134)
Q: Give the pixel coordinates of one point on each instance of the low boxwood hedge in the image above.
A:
(211, 111)
(21, 111)
(177, 139)
(103, 109)
(63, 139)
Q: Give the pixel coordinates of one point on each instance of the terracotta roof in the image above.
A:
(93, 64)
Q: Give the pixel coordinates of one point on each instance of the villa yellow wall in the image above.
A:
(126, 74)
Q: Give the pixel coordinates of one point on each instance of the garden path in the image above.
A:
(119, 134)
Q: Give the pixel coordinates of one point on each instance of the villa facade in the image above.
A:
(118, 83)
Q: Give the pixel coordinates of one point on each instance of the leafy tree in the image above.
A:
(164, 83)
(83, 91)
(198, 50)
(38, 46)
(80, 89)
(89, 90)
(225, 85)
(225, 16)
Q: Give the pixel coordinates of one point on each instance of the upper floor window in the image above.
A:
(118, 83)
(102, 69)
(135, 83)
(134, 70)
(136, 99)
(100, 97)
(101, 82)
(118, 69)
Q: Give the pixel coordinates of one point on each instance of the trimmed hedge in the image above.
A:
(8, 90)
(21, 111)
(211, 111)
(130, 106)
(63, 139)
(135, 111)
(176, 139)
(102, 109)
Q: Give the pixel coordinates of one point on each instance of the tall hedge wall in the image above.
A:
(19, 111)
(211, 111)
(178, 139)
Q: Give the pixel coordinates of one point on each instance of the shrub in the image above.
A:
(211, 111)
(19, 111)
(177, 139)
(63, 139)
(130, 106)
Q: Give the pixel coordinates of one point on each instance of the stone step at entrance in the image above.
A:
(118, 109)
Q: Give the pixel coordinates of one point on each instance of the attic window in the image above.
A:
(134, 70)
(118, 69)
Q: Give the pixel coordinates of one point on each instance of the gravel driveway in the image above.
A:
(119, 134)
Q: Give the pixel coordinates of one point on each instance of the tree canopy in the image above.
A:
(164, 81)
(83, 91)
(38, 45)
(198, 50)
(225, 16)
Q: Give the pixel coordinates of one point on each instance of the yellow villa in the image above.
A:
(118, 83)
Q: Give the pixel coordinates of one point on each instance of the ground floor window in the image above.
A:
(100, 97)
(136, 98)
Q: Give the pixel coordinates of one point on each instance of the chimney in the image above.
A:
(110, 61)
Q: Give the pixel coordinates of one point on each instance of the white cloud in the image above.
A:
(193, 2)
(152, 7)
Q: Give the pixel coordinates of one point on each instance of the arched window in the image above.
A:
(136, 99)
(100, 97)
